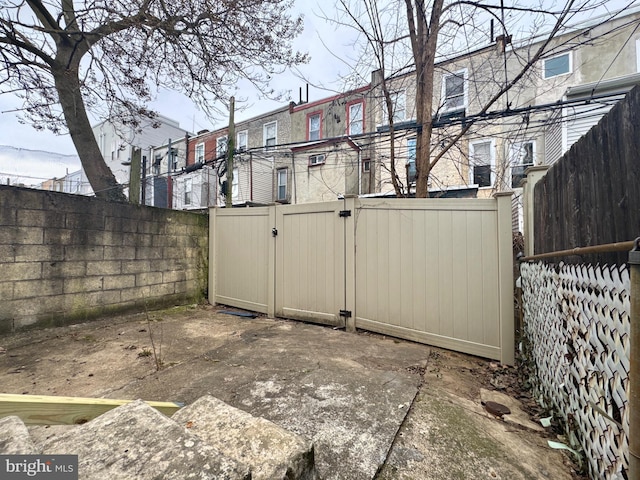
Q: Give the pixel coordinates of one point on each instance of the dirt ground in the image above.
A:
(284, 371)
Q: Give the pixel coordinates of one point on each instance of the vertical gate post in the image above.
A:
(271, 268)
(534, 174)
(350, 203)
(212, 255)
(634, 362)
(505, 277)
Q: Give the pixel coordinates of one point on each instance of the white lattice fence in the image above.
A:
(577, 329)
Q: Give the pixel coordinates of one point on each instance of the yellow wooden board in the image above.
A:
(53, 410)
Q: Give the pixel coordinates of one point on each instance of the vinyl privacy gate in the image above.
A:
(436, 271)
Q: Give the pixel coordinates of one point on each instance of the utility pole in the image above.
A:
(134, 177)
(231, 143)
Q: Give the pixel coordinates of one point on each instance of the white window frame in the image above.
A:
(319, 115)
(219, 150)
(394, 101)
(264, 134)
(492, 160)
(366, 165)
(544, 65)
(199, 152)
(188, 190)
(359, 105)
(465, 86)
(317, 159)
(638, 55)
(514, 148)
(284, 197)
(241, 146)
(235, 191)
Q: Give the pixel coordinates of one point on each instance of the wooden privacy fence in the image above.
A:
(436, 271)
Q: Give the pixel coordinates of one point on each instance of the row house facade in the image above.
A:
(581, 75)
(343, 144)
(118, 142)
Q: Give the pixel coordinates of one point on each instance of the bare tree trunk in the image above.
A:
(98, 173)
(424, 42)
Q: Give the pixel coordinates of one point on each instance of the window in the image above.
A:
(366, 166)
(355, 116)
(156, 164)
(242, 141)
(234, 184)
(269, 134)
(399, 105)
(281, 194)
(174, 159)
(316, 159)
(314, 126)
(188, 187)
(454, 96)
(221, 146)
(638, 55)
(411, 160)
(481, 162)
(556, 66)
(200, 152)
(521, 157)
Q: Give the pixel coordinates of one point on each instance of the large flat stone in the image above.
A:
(271, 451)
(137, 441)
(14, 437)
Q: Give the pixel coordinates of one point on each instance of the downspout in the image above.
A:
(251, 176)
(359, 165)
(293, 172)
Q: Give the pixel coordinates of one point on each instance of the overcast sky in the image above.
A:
(328, 45)
(22, 147)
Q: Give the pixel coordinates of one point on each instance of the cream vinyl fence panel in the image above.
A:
(310, 265)
(241, 273)
(430, 271)
(433, 271)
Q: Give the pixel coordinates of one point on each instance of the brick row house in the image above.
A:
(318, 150)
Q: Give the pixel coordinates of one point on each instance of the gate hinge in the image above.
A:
(345, 313)
(345, 213)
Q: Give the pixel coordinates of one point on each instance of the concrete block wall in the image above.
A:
(67, 258)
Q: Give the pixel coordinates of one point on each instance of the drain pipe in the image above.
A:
(634, 362)
(359, 165)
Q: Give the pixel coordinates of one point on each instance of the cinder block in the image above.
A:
(63, 269)
(136, 294)
(136, 441)
(40, 218)
(38, 288)
(21, 235)
(6, 291)
(149, 278)
(39, 253)
(173, 276)
(83, 221)
(154, 228)
(114, 282)
(79, 252)
(106, 267)
(8, 215)
(21, 271)
(84, 284)
(119, 253)
(148, 253)
(271, 451)
(57, 236)
(138, 240)
(136, 266)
